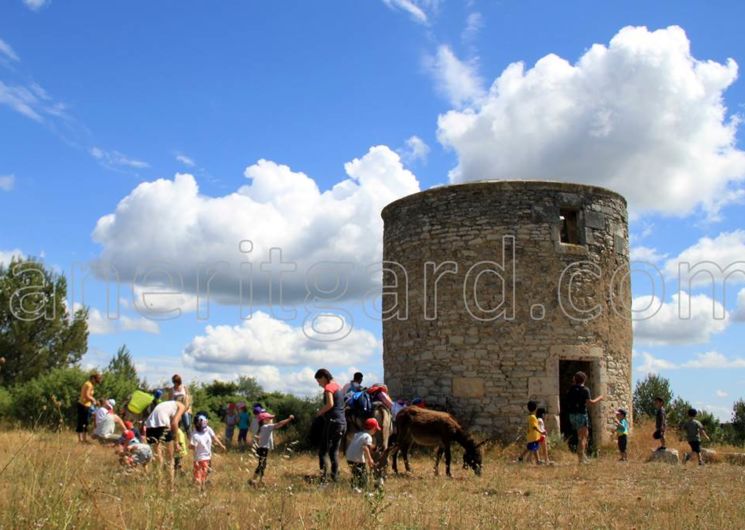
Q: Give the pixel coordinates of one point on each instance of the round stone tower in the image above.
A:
(497, 292)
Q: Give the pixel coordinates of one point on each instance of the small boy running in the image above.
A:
(201, 441)
(622, 433)
(694, 430)
(660, 423)
(359, 454)
(266, 441)
(533, 437)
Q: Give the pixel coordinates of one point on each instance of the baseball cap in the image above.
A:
(264, 415)
(372, 424)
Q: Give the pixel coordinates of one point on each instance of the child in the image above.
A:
(694, 429)
(540, 413)
(359, 454)
(135, 452)
(660, 424)
(231, 420)
(622, 433)
(243, 421)
(266, 441)
(534, 434)
(201, 441)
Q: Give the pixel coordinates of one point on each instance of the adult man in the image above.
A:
(355, 385)
(578, 399)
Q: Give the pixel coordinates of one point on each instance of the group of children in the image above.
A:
(537, 443)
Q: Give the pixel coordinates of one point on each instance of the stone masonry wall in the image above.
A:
(484, 365)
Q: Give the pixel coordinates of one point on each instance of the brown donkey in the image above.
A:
(433, 428)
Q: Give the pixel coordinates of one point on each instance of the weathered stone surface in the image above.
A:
(468, 387)
(502, 242)
(668, 456)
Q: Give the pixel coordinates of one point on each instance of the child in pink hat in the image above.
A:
(266, 441)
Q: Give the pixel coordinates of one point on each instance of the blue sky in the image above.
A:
(98, 102)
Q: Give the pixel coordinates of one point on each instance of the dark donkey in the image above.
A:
(433, 428)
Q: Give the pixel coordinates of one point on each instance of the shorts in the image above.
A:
(533, 446)
(622, 443)
(83, 413)
(579, 420)
(158, 434)
(542, 439)
(695, 445)
(658, 435)
(201, 470)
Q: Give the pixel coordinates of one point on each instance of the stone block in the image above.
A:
(668, 456)
(468, 387)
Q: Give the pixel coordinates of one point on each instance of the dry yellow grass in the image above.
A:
(52, 482)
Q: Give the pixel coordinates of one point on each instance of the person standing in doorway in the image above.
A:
(578, 401)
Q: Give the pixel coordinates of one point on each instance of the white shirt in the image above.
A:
(266, 436)
(202, 442)
(161, 415)
(541, 425)
(104, 423)
(356, 450)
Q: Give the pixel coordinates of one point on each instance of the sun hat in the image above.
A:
(371, 424)
(258, 409)
(112, 403)
(264, 415)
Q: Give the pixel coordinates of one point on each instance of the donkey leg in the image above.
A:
(438, 455)
(394, 454)
(405, 452)
(447, 460)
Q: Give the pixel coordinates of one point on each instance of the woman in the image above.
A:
(85, 402)
(180, 393)
(335, 423)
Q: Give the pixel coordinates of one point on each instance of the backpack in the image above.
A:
(360, 404)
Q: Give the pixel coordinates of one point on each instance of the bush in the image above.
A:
(646, 390)
(49, 400)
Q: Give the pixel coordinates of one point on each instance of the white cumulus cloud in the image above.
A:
(714, 257)
(641, 116)
(415, 149)
(685, 319)
(329, 237)
(646, 254)
(103, 324)
(739, 313)
(264, 340)
(6, 256)
(455, 79)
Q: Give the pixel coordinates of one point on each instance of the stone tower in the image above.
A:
(497, 292)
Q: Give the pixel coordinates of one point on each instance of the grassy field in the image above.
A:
(47, 480)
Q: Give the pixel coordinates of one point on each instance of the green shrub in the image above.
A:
(49, 400)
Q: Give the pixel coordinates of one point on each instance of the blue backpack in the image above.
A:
(360, 404)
